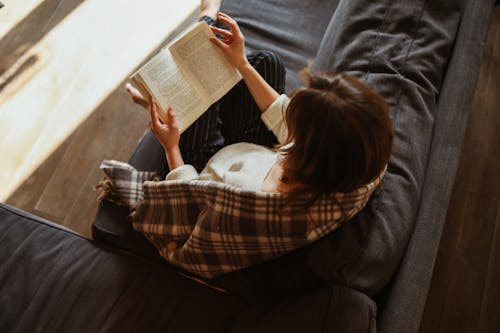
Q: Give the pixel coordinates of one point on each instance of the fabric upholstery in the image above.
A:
(401, 49)
(336, 309)
(52, 280)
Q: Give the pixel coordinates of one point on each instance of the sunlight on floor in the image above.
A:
(12, 13)
(73, 68)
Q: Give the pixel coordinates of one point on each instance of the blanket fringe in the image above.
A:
(106, 187)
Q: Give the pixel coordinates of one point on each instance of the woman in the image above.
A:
(334, 135)
(298, 166)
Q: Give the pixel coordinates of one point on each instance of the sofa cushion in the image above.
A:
(401, 48)
(52, 280)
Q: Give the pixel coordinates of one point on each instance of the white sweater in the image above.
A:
(242, 164)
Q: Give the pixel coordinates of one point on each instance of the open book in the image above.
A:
(190, 74)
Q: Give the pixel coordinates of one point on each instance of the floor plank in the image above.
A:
(487, 142)
(94, 139)
(489, 318)
(27, 195)
(80, 214)
(433, 312)
(469, 265)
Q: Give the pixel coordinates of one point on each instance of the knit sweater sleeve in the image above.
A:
(274, 117)
(184, 172)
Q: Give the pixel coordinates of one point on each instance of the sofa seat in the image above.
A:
(53, 280)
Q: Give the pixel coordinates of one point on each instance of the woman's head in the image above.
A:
(341, 133)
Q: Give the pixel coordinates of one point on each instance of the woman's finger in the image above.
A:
(219, 43)
(151, 108)
(225, 15)
(222, 32)
(155, 120)
(225, 18)
(230, 22)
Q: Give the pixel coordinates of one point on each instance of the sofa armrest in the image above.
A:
(406, 298)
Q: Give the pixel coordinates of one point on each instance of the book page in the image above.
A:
(204, 63)
(139, 84)
(169, 87)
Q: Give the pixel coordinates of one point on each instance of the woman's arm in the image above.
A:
(233, 46)
(168, 135)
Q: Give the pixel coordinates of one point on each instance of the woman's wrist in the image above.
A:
(174, 157)
(245, 67)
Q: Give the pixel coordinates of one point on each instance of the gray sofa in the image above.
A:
(373, 273)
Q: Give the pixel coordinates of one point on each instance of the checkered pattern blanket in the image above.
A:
(210, 228)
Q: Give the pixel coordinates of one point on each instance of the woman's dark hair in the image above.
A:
(340, 135)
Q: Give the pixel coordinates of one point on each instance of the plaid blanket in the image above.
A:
(211, 228)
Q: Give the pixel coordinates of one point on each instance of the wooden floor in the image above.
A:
(63, 107)
(465, 290)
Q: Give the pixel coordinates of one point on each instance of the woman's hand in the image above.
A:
(232, 43)
(168, 133)
(233, 46)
